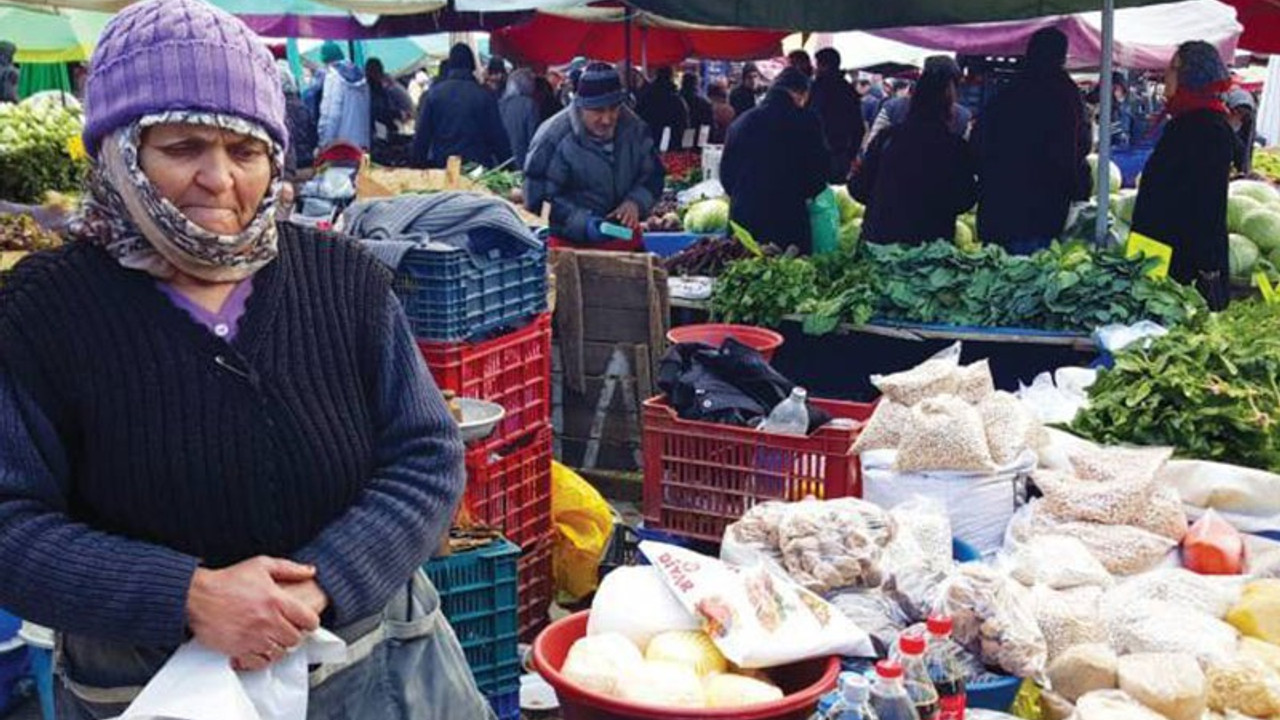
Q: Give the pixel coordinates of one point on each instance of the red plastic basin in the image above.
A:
(803, 683)
(762, 339)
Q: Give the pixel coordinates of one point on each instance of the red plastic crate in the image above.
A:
(513, 370)
(537, 584)
(699, 477)
(510, 488)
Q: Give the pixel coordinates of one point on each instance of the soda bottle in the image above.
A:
(948, 676)
(889, 695)
(791, 416)
(854, 702)
(919, 686)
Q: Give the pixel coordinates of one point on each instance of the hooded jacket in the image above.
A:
(520, 113)
(459, 116)
(775, 159)
(584, 178)
(344, 106)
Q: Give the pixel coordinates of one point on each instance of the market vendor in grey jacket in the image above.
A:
(595, 162)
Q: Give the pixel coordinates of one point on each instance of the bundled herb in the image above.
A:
(1210, 389)
(762, 290)
(40, 150)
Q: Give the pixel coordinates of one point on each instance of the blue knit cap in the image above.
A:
(1200, 66)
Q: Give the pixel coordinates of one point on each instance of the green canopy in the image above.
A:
(837, 15)
(52, 36)
(39, 77)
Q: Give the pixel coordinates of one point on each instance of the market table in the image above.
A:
(839, 365)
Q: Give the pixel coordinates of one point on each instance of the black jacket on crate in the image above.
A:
(733, 385)
(775, 159)
(1183, 200)
(917, 177)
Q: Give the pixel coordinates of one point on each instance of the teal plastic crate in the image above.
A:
(506, 704)
(452, 294)
(478, 595)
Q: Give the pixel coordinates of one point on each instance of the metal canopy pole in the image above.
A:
(626, 29)
(1104, 121)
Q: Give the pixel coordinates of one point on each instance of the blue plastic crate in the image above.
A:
(15, 671)
(452, 293)
(478, 595)
(506, 704)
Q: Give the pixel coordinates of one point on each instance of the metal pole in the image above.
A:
(1104, 121)
(626, 29)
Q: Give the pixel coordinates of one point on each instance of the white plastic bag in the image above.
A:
(1051, 404)
(1057, 562)
(198, 684)
(978, 505)
(635, 603)
(1248, 498)
(935, 376)
(994, 618)
(756, 618)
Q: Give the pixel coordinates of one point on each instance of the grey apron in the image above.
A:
(405, 664)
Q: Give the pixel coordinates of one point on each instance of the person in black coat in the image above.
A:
(1031, 143)
(700, 113)
(840, 109)
(459, 116)
(661, 106)
(743, 97)
(775, 160)
(1182, 201)
(917, 176)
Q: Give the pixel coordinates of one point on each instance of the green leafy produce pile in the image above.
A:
(1210, 389)
(1065, 288)
(37, 144)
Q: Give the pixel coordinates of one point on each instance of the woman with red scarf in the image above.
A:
(1183, 198)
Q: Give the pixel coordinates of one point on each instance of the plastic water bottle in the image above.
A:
(854, 702)
(919, 685)
(948, 676)
(790, 417)
(889, 695)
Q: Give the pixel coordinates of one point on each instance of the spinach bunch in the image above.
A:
(762, 290)
(1211, 389)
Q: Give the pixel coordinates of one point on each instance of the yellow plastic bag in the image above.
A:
(1257, 614)
(583, 524)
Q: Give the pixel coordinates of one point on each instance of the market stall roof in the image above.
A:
(600, 33)
(826, 15)
(1261, 20)
(332, 19)
(866, 51)
(52, 36)
(1146, 38)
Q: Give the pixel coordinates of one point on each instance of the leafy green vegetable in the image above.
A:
(1211, 389)
(761, 291)
(1067, 288)
(40, 151)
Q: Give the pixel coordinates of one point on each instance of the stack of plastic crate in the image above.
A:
(480, 317)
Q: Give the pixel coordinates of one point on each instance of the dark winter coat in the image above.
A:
(1183, 199)
(775, 159)
(584, 179)
(1031, 144)
(520, 114)
(700, 113)
(742, 100)
(459, 116)
(661, 106)
(916, 178)
(840, 109)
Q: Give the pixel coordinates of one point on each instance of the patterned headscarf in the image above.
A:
(124, 213)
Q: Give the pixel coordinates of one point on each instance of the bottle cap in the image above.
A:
(911, 644)
(888, 669)
(800, 392)
(854, 688)
(940, 625)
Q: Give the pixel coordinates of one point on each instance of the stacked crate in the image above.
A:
(481, 323)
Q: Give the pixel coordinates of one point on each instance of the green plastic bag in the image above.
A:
(824, 222)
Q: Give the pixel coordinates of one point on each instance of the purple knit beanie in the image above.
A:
(161, 55)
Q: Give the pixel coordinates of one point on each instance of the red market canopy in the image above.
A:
(1261, 20)
(600, 34)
